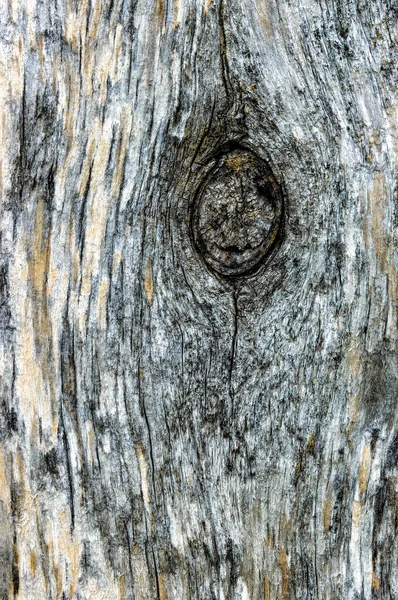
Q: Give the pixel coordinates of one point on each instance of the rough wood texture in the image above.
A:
(166, 432)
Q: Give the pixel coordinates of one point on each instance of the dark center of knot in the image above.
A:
(237, 214)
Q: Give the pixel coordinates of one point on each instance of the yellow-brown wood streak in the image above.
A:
(267, 588)
(375, 582)
(5, 496)
(326, 513)
(148, 282)
(143, 464)
(38, 266)
(364, 468)
(285, 573)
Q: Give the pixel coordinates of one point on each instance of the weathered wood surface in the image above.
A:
(167, 432)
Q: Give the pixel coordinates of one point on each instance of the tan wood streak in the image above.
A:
(143, 464)
(98, 203)
(76, 24)
(177, 12)
(116, 52)
(33, 393)
(33, 562)
(285, 573)
(121, 589)
(58, 581)
(16, 69)
(95, 19)
(356, 513)
(38, 273)
(69, 552)
(90, 441)
(125, 120)
(27, 534)
(41, 55)
(379, 239)
(30, 9)
(376, 583)
(364, 468)
(267, 588)
(160, 9)
(103, 71)
(161, 583)
(207, 4)
(71, 102)
(148, 282)
(354, 408)
(326, 514)
(102, 303)
(264, 8)
(38, 265)
(5, 495)
(377, 198)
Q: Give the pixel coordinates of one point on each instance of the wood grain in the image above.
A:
(165, 433)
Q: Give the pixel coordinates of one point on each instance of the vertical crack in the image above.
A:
(234, 344)
(69, 472)
(225, 73)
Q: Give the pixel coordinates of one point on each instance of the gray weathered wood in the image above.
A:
(168, 432)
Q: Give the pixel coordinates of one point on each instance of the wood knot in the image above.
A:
(237, 214)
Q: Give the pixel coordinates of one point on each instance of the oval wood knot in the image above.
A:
(237, 214)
